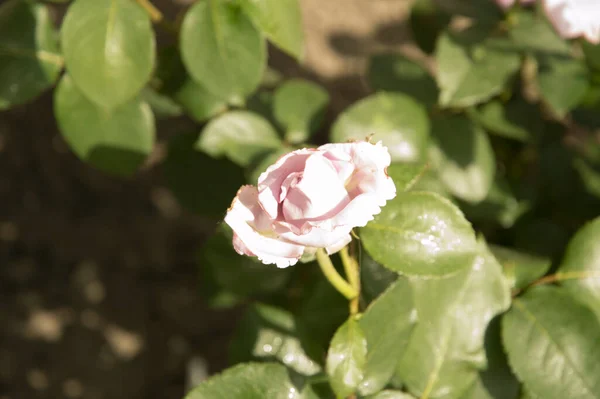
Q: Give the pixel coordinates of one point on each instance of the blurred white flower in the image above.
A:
(575, 18)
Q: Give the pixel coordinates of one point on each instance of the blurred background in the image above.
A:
(99, 293)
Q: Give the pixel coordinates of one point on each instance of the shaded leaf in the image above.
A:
(387, 324)
(520, 268)
(222, 50)
(374, 278)
(346, 358)
(299, 107)
(109, 49)
(563, 82)
(269, 333)
(463, 157)
(394, 72)
(472, 69)
(29, 59)
(422, 234)
(426, 23)
(115, 141)
(189, 172)
(533, 33)
(396, 119)
(240, 136)
(552, 344)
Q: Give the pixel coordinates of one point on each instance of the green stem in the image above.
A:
(353, 273)
(333, 276)
(154, 13)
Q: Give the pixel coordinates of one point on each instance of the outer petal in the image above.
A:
(333, 248)
(362, 154)
(316, 237)
(248, 219)
(270, 181)
(574, 18)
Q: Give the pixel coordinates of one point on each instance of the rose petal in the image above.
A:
(251, 226)
(333, 248)
(574, 18)
(315, 237)
(270, 181)
(319, 194)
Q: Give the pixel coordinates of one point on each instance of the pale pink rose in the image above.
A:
(309, 199)
(506, 4)
(575, 18)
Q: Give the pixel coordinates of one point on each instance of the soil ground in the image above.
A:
(98, 277)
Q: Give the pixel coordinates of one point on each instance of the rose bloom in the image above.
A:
(575, 18)
(505, 4)
(310, 199)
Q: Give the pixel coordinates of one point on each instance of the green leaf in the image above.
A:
(552, 343)
(563, 82)
(240, 136)
(533, 33)
(426, 22)
(421, 234)
(590, 175)
(299, 107)
(517, 120)
(394, 72)
(406, 175)
(162, 105)
(484, 12)
(109, 49)
(471, 70)
(251, 381)
(196, 100)
(29, 59)
(184, 167)
(446, 349)
(396, 119)
(500, 206)
(463, 157)
(239, 275)
(389, 394)
(222, 50)
(580, 267)
(115, 141)
(520, 268)
(592, 54)
(269, 333)
(387, 324)
(346, 358)
(280, 21)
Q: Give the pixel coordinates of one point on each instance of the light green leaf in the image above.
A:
(269, 333)
(240, 276)
(421, 234)
(240, 136)
(552, 343)
(563, 82)
(251, 381)
(222, 50)
(389, 394)
(446, 349)
(580, 267)
(517, 120)
(29, 59)
(387, 324)
(115, 141)
(195, 99)
(592, 54)
(396, 119)
(109, 49)
(463, 157)
(346, 358)
(394, 72)
(185, 166)
(406, 175)
(533, 33)
(280, 21)
(299, 107)
(471, 69)
(520, 268)
(162, 105)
